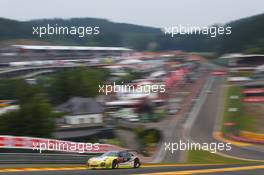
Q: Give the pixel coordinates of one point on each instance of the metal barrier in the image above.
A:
(37, 158)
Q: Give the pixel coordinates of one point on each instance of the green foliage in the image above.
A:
(78, 82)
(257, 47)
(247, 35)
(34, 118)
(114, 141)
(8, 88)
(148, 139)
(18, 89)
(111, 34)
(25, 92)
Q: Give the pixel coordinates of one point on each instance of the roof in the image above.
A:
(122, 102)
(255, 83)
(77, 133)
(130, 61)
(238, 55)
(239, 79)
(40, 47)
(80, 105)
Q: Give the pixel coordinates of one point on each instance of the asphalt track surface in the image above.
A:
(204, 125)
(175, 132)
(145, 170)
(249, 172)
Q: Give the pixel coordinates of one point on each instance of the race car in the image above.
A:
(114, 159)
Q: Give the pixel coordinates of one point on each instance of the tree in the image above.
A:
(8, 88)
(34, 118)
(80, 82)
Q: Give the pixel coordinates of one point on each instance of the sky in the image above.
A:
(156, 13)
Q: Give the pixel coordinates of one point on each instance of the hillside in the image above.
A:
(111, 34)
(247, 35)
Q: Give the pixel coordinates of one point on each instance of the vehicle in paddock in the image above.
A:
(114, 160)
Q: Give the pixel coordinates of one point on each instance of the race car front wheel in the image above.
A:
(114, 164)
(136, 163)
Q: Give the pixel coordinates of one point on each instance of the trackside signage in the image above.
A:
(41, 144)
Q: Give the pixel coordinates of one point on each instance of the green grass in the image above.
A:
(232, 117)
(243, 120)
(248, 122)
(242, 74)
(205, 157)
(114, 142)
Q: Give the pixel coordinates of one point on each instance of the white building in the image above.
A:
(81, 119)
(82, 111)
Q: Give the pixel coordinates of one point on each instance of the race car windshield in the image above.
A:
(110, 154)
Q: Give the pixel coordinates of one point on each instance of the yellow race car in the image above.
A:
(114, 159)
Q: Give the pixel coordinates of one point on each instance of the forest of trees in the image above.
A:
(247, 35)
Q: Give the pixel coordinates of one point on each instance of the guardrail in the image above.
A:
(42, 144)
(37, 158)
(36, 68)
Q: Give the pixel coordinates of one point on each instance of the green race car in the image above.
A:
(114, 159)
